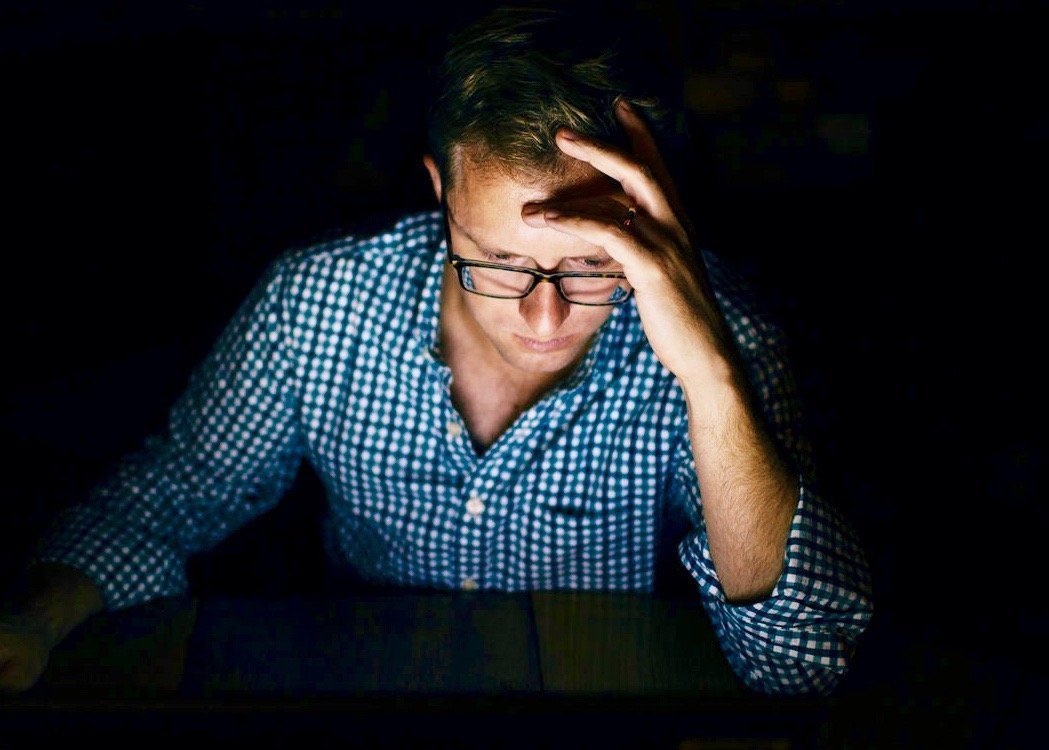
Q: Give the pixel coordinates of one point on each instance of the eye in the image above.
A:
(595, 264)
(497, 257)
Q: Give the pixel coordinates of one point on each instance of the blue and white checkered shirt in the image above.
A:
(332, 358)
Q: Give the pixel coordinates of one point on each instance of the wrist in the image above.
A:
(43, 620)
(712, 383)
(57, 598)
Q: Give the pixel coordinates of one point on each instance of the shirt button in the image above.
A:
(469, 584)
(454, 429)
(475, 506)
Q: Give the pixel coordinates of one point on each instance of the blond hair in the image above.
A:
(509, 81)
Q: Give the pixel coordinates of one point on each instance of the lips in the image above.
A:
(547, 345)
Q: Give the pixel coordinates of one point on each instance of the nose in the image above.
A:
(544, 310)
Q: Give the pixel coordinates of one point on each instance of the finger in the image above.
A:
(630, 246)
(647, 151)
(637, 179)
(610, 207)
(8, 681)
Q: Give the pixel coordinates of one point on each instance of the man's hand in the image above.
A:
(674, 300)
(55, 599)
(25, 645)
(749, 492)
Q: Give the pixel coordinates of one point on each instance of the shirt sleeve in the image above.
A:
(232, 447)
(801, 638)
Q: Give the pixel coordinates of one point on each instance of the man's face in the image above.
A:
(541, 334)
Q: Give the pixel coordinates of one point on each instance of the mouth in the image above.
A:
(547, 345)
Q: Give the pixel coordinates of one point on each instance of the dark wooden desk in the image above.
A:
(547, 669)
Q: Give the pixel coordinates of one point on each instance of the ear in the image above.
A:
(435, 175)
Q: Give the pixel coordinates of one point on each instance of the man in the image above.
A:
(533, 388)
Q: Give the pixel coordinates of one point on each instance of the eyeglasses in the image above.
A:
(590, 288)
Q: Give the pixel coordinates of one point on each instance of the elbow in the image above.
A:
(797, 679)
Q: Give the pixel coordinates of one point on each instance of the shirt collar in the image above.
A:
(427, 316)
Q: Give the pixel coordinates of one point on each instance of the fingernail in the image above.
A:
(551, 214)
(625, 105)
(568, 135)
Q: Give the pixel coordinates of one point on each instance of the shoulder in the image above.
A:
(402, 238)
(404, 247)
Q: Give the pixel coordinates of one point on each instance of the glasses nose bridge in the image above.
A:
(550, 278)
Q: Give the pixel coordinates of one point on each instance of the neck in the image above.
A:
(462, 342)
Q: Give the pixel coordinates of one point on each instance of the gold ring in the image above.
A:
(628, 220)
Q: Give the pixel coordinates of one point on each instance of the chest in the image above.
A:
(386, 419)
(487, 403)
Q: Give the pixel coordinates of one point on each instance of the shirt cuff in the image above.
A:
(800, 638)
(128, 566)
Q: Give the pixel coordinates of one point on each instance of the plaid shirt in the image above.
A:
(332, 359)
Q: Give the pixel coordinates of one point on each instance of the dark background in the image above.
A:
(878, 169)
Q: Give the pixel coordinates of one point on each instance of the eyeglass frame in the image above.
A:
(458, 263)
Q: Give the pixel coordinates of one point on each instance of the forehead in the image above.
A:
(484, 187)
(486, 200)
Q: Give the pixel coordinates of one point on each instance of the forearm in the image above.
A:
(749, 495)
(58, 597)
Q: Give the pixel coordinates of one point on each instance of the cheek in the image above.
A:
(504, 316)
(491, 315)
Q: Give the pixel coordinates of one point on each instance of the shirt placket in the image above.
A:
(484, 497)
(484, 482)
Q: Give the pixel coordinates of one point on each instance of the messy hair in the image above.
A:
(509, 81)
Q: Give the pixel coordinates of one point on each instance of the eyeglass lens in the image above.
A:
(500, 282)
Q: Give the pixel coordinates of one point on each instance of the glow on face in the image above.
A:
(542, 333)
